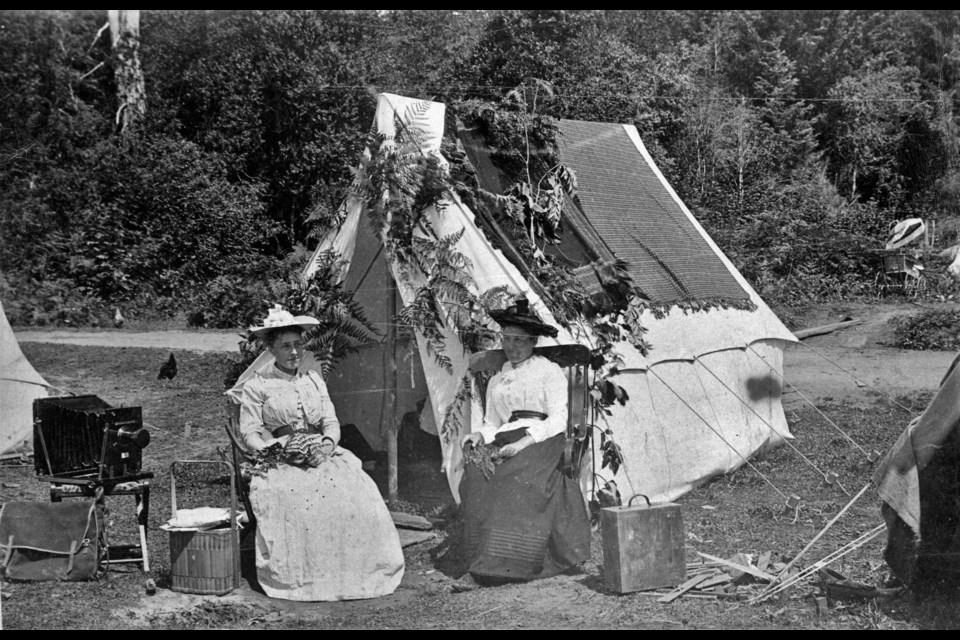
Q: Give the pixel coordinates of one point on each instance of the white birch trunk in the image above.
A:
(131, 95)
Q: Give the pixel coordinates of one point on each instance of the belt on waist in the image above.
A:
(287, 430)
(523, 414)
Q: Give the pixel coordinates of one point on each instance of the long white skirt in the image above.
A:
(324, 533)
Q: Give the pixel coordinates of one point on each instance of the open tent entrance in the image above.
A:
(382, 389)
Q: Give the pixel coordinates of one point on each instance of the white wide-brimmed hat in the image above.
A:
(278, 317)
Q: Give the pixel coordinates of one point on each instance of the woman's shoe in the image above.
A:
(464, 584)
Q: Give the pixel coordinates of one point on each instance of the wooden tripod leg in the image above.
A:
(143, 512)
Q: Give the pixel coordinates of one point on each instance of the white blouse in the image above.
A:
(274, 399)
(536, 384)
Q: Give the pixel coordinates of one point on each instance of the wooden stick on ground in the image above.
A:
(816, 566)
(682, 589)
(822, 531)
(740, 567)
(827, 328)
(722, 578)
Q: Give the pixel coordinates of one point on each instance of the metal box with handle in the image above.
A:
(643, 546)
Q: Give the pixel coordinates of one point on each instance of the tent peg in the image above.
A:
(793, 501)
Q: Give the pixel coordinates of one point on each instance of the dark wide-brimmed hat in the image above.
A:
(519, 314)
(278, 318)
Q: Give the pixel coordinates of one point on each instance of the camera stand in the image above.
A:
(137, 486)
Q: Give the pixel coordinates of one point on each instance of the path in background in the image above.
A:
(187, 340)
(893, 371)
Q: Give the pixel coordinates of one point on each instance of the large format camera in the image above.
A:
(77, 436)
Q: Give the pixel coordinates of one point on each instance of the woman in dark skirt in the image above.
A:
(523, 517)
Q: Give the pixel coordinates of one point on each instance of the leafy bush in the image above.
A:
(146, 225)
(928, 331)
(800, 243)
(231, 301)
(50, 302)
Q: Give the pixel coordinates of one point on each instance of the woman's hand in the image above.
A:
(258, 444)
(282, 441)
(320, 452)
(510, 450)
(472, 440)
(327, 446)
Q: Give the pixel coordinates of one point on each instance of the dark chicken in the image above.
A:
(169, 369)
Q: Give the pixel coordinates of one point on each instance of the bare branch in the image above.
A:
(105, 26)
(120, 111)
(91, 71)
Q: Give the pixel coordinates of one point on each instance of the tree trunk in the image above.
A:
(131, 95)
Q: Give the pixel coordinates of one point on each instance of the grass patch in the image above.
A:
(935, 330)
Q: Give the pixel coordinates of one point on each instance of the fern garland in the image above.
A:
(400, 183)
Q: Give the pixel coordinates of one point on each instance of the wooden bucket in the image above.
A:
(205, 562)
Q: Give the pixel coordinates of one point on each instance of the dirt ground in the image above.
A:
(863, 351)
(874, 398)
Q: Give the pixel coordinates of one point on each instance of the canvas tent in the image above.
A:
(707, 396)
(20, 385)
(705, 320)
(919, 484)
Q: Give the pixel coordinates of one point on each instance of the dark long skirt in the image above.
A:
(527, 520)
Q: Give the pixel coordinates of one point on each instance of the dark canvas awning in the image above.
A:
(623, 210)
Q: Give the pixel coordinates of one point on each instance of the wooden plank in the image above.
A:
(407, 521)
(764, 560)
(682, 589)
(827, 328)
(689, 594)
(741, 567)
(408, 538)
(723, 578)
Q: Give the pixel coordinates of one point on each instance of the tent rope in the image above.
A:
(718, 434)
(768, 425)
(810, 402)
(864, 382)
(662, 432)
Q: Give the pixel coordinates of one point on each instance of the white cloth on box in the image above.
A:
(536, 384)
(201, 519)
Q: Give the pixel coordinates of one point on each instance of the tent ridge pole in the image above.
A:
(390, 393)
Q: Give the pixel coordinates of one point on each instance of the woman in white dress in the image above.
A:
(323, 530)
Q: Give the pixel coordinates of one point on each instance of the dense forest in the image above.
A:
(796, 137)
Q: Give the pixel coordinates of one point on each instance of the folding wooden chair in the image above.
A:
(238, 455)
(575, 358)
